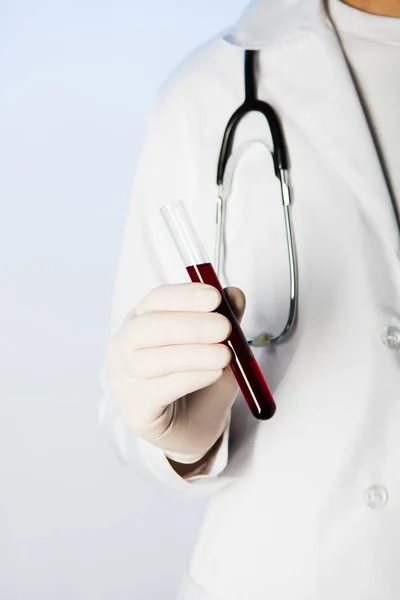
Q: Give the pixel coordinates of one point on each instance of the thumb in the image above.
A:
(237, 301)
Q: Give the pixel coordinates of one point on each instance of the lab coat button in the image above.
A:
(391, 338)
(376, 496)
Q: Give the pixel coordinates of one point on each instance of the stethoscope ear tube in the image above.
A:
(253, 104)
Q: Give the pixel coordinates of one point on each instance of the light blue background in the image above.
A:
(76, 79)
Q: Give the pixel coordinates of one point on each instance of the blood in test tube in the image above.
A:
(244, 365)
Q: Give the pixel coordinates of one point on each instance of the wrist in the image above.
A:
(201, 466)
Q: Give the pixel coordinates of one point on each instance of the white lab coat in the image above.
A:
(305, 506)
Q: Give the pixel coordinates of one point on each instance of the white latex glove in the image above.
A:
(169, 369)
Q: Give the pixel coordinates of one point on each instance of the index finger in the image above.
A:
(181, 297)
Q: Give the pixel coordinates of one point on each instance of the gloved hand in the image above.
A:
(169, 369)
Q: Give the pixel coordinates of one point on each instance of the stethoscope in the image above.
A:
(280, 160)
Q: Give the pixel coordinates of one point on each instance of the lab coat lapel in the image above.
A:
(309, 80)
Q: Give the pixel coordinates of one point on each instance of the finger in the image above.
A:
(148, 363)
(153, 329)
(165, 390)
(237, 301)
(191, 297)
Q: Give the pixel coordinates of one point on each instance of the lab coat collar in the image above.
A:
(265, 22)
(309, 81)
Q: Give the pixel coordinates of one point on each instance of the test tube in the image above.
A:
(244, 366)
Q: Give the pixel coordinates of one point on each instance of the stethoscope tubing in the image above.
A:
(281, 167)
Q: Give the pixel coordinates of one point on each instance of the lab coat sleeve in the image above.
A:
(166, 171)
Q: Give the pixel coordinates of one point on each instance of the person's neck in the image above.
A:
(384, 8)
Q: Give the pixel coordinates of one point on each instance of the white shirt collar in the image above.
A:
(364, 25)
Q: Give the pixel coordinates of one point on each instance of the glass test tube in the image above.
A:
(244, 365)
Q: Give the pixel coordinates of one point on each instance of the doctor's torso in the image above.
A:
(313, 511)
